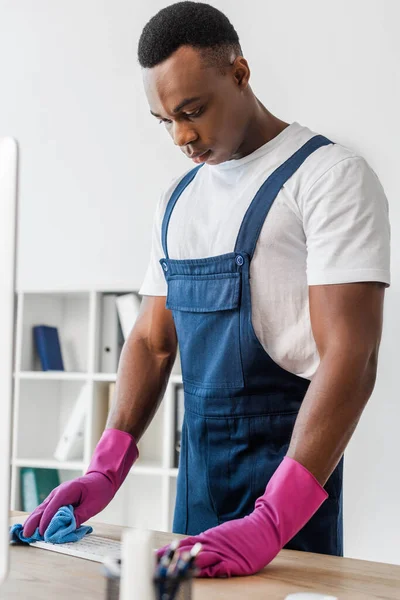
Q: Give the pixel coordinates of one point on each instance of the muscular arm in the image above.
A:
(145, 365)
(346, 321)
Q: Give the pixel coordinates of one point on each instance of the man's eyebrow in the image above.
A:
(185, 102)
(180, 105)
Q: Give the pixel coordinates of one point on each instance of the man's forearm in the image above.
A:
(142, 377)
(331, 410)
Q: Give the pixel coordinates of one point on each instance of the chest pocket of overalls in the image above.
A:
(206, 310)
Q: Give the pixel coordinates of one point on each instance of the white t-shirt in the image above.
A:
(328, 224)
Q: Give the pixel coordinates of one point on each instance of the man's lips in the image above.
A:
(200, 156)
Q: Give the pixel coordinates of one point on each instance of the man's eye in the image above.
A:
(195, 114)
(191, 115)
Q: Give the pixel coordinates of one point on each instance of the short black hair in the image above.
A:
(187, 23)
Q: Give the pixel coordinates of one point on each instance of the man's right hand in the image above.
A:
(112, 459)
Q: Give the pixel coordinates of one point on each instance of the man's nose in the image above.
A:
(183, 134)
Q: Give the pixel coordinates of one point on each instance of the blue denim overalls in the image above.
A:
(240, 406)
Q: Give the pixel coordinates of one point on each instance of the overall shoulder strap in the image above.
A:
(188, 178)
(258, 210)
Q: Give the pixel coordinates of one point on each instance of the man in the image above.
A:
(269, 263)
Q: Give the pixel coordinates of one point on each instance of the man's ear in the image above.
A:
(241, 72)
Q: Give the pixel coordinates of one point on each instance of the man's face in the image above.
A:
(203, 110)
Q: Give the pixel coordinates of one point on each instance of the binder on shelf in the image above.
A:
(128, 306)
(111, 335)
(106, 405)
(179, 413)
(47, 343)
(111, 391)
(70, 445)
(36, 485)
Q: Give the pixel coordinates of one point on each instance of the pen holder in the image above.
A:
(183, 592)
(112, 573)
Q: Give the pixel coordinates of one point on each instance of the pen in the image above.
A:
(163, 566)
(167, 558)
(183, 565)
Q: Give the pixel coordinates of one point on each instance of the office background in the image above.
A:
(93, 163)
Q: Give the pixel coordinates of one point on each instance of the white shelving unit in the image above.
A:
(43, 401)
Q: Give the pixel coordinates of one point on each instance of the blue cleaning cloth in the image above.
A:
(61, 529)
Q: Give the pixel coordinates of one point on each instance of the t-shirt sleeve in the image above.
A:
(154, 283)
(346, 224)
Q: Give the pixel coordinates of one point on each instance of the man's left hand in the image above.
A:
(239, 547)
(244, 546)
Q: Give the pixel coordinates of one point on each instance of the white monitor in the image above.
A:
(8, 218)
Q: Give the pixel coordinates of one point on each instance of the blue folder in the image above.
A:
(48, 347)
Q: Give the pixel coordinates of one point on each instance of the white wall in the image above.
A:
(93, 163)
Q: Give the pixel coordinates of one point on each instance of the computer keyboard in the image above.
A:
(91, 547)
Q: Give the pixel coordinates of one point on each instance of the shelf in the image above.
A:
(148, 467)
(51, 375)
(176, 378)
(104, 377)
(145, 468)
(49, 463)
(44, 401)
(65, 376)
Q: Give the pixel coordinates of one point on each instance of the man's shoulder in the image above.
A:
(331, 163)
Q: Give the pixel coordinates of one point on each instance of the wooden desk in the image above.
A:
(41, 575)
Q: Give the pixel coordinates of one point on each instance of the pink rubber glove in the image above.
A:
(244, 546)
(112, 459)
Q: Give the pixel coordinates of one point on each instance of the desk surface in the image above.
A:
(41, 575)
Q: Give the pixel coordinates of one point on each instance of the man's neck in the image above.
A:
(262, 127)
